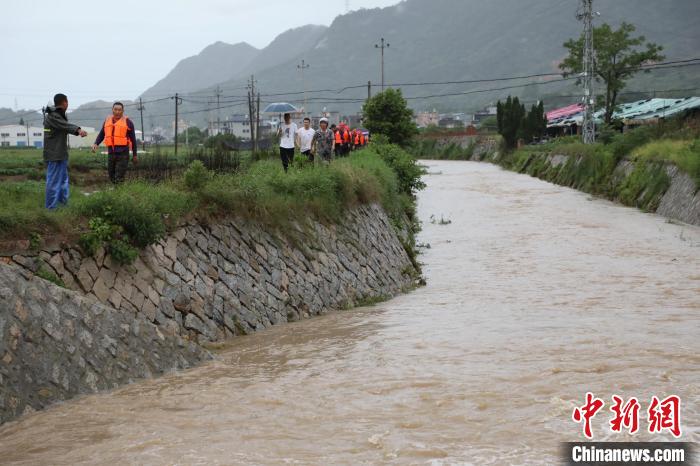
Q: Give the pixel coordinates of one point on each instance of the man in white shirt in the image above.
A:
(305, 136)
(287, 133)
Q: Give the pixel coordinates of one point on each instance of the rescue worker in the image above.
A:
(347, 140)
(119, 136)
(337, 141)
(356, 139)
(342, 140)
(56, 131)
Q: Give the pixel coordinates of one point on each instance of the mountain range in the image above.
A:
(429, 41)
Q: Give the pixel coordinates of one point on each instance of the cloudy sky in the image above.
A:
(117, 49)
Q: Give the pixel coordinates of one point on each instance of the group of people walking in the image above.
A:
(323, 143)
(119, 135)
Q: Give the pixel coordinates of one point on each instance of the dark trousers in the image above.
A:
(117, 164)
(287, 156)
(308, 155)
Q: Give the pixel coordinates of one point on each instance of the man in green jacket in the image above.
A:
(56, 131)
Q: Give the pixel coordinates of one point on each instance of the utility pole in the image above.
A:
(369, 90)
(178, 101)
(143, 133)
(586, 15)
(218, 110)
(382, 47)
(302, 67)
(257, 122)
(253, 114)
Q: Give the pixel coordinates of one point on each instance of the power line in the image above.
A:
(232, 101)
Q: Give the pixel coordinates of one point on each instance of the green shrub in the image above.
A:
(140, 209)
(196, 176)
(100, 232)
(111, 237)
(407, 170)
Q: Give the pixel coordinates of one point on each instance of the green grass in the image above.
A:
(685, 154)
(139, 213)
(428, 148)
(46, 274)
(22, 211)
(592, 168)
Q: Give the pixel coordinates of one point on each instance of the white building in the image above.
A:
(77, 142)
(21, 136)
(239, 126)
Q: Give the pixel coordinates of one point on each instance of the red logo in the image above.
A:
(662, 415)
(586, 412)
(665, 415)
(626, 416)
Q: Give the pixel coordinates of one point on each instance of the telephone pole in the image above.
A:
(253, 113)
(588, 129)
(178, 101)
(218, 110)
(140, 108)
(302, 67)
(382, 47)
(369, 90)
(257, 122)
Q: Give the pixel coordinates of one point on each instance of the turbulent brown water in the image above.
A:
(536, 294)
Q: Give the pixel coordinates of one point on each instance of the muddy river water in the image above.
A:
(536, 294)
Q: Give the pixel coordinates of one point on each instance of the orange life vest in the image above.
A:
(338, 137)
(115, 132)
(346, 136)
(357, 138)
(362, 138)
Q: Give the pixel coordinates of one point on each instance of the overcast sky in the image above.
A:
(117, 49)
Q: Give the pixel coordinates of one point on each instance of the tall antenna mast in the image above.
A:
(586, 15)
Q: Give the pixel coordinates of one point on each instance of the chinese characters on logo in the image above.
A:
(662, 415)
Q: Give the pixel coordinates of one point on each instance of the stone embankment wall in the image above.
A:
(202, 283)
(680, 201)
(56, 344)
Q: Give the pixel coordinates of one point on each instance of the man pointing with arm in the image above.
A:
(56, 131)
(119, 135)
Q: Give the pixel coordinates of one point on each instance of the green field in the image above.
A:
(141, 211)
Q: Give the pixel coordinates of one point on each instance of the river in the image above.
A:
(535, 295)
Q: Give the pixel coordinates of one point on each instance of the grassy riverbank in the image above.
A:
(630, 167)
(140, 212)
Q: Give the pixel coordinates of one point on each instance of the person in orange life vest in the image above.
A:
(119, 136)
(362, 138)
(343, 136)
(356, 140)
(338, 141)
